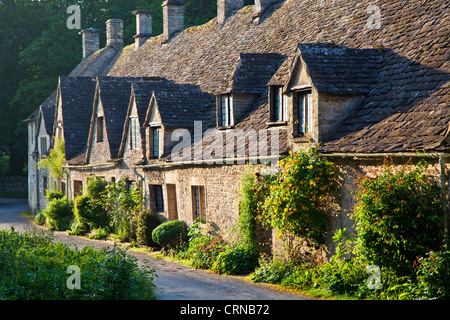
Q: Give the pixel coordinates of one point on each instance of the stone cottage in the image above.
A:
(184, 112)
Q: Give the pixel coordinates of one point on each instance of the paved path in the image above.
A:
(174, 281)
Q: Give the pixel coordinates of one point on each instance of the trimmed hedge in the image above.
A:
(170, 234)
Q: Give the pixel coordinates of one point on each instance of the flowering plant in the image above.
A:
(293, 199)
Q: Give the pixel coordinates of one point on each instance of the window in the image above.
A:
(156, 132)
(43, 143)
(134, 133)
(226, 110)
(304, 112)
(99, 129)
(198, 202)
(77, 188)
(156, 198)
(44, 183)
(279, 104)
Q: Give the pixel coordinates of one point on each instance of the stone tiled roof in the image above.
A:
(77, 96)
(252, 73)
(407, 105)
(338, 70)
(181, 105)
(48, 112)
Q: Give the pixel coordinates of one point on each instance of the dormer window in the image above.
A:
(156, 134)
(99, 129)
(304, 121)
(278, 104)
(43, 145)
(134, 133)
(225, 109)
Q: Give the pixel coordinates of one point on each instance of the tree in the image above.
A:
(36, 47)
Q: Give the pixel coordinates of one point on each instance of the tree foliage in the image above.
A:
(36, 47)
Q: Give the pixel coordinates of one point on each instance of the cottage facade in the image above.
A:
(183, 113)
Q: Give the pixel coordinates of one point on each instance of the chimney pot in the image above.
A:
(173, 17)
(226, 8)
(91, 41)
(143, 26)
(114, 32)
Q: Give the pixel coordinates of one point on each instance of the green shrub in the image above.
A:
(59, 214)
(399, 218)
(52, 195)
(170, 234)
(39, 218)
(89, 214)
(147, 221)
(271, 270)
(433, 275)
(235, 260)
(33, 267)
(96, 187)
(248, 210)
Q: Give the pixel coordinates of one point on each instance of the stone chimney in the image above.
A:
(91, 41)
(226, 8)
(114, 32)
(143, 26)
(261, 6)
(173, 17)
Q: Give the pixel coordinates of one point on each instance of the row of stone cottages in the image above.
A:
(249, 85)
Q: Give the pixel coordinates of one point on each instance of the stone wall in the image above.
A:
(13, 184)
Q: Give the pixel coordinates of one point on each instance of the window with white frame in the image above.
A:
(226, 110)
(198, 202)
(134, 133)
(278, 104)
(304, 112)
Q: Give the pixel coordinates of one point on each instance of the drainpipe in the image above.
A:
(67, 181)
(141, 185)
(444, 194)
(38, 205)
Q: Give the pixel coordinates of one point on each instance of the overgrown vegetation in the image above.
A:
(293, 201)
(105, 210)
(390, 257)
(33, 267)
(54, 161)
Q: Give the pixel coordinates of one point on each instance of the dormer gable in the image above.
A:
(321, 84)
(245, 86)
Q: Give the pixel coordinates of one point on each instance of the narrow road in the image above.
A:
(174, 281)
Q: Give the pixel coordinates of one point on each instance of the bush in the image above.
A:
(89, 214)
(147, 221)
(235, 260)
(33, 267)
(52, 195)
(398, 218)
(433, 275)
(58, 214)
(248, 210)
(96, 187)
(39, 218)
(294, 200)
(170, 234)
(271, 270)
(204, 250)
